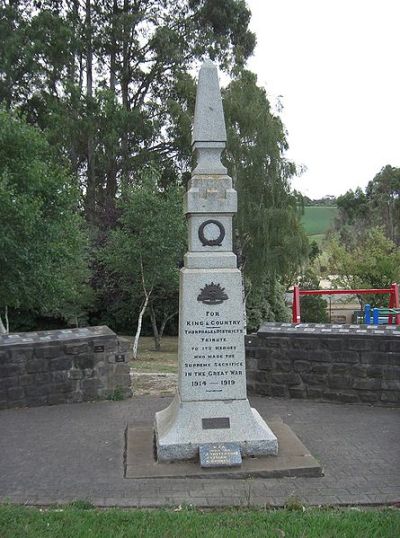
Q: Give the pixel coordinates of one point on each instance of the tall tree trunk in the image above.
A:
(80, 73)
(142, 311)
(91, 178)
(89, 51)
(139, 326)
(113, 48)
(390, 219)
(156, 334)
(111, 189)
(111, 182)
(125, 56)
(4, 329)
(125, 75)
(72, 77)
(164, 323)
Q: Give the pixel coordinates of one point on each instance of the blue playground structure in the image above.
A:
(380, 316)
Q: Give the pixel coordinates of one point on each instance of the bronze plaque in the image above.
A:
(217, 423)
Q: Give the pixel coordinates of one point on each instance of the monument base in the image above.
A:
(182, 427)
(293, 459)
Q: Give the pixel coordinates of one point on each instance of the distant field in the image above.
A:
(318, 219)
(318, 238)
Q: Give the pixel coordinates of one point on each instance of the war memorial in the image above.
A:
(130, 451)
(211, 403)
(210, 422)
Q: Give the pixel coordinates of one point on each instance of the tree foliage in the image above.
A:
(383, 195)
(373, 263)
(312, 307)
(42, 245)
(110, 84)
(379, 205)
(267, 303)
(143, 254)
(269, 238)
(109, 80)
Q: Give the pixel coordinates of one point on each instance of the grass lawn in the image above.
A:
(318, 219)
(150, 360)
(20, 522)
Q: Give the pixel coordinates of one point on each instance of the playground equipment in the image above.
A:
(393, 312)
(380, 316)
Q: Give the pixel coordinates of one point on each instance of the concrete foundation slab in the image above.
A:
(293, 459)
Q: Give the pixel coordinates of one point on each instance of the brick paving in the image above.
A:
(63, 453)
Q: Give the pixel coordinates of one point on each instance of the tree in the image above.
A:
(269, 238)
(144, 251)
(268, 304)
(314, 252)
(42, 244)
(109, 80)
(373, 263)
(379, 205)
(383, 195)
(312, 307)
(352, 207)
(110, 84)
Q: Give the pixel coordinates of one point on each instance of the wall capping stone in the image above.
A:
(45, 337)
(327, 328)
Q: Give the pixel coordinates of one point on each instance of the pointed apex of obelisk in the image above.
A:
(209, 122)
(208, 63)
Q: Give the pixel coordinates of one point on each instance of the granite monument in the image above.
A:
(210, 416)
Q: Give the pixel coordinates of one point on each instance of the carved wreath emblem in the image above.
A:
(217, 242)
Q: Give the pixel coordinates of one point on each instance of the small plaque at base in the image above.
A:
(220, 455)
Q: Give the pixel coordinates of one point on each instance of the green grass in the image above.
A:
(21, 522)
(318, 219)
(163, 361)
(150, 367)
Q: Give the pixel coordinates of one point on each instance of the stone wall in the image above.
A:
(343, 363)
(54, 367)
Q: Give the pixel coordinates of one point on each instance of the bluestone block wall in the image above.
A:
(54, 367)
(343, 363)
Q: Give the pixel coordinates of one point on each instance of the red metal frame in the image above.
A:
(393, 301)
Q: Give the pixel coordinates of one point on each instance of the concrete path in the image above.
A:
(62, 453)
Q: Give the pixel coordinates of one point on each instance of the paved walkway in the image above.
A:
(62, 453)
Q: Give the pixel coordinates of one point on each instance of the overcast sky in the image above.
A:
(336, 67)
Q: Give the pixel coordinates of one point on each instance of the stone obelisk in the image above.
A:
(211, 407)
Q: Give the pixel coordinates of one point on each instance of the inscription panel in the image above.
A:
(211, 332)
(220, 455)
(216, 423)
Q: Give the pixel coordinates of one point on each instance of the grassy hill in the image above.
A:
(317, 220)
